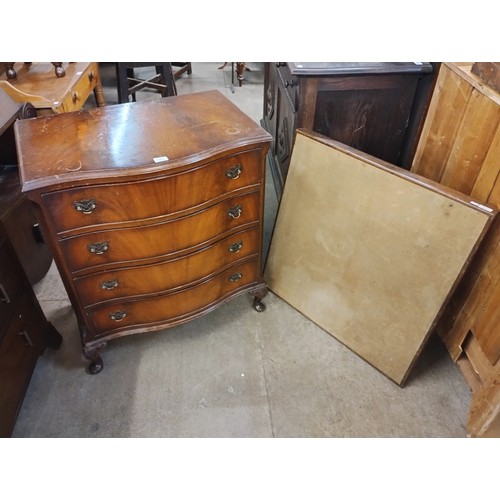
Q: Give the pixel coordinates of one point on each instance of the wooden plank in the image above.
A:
(489, 73)
(443, 121)
(480, 364)
(463, 70)
(469, 374)
(472, 143)
(487, 324)
(368, 251)
(484, 415)
(494, 198)
(490, 171)
(467, 304)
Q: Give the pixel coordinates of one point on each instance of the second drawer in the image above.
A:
(104, 248)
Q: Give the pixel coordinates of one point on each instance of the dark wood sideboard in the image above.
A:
(375, 107)
(24, 329)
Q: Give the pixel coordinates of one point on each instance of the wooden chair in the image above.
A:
(128, 83)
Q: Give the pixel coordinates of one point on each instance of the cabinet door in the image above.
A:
(369, 113)
(20, 345)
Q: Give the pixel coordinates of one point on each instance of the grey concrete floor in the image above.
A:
(233, 372)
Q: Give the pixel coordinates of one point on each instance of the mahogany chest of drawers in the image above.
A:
(153, 210)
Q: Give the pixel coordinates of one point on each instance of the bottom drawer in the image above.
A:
(172, 307)
(20, 347)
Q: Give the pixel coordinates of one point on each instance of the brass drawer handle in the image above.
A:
(85, 206)
(236, 247)
(109, 285)
(235, 277)
(99, 248)
(118, 315)
(234, 172)
(235, 212)
(4, 297)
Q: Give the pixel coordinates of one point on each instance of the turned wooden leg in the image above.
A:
(10, 71)
(258, 295)
(99, 95)
(93, 354)
(240, 68)
(60, 72)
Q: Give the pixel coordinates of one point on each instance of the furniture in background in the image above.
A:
(489, 73)
(21, 224)
(10, 111)
(375, 107)
(240, 70)
(36, 83)
(162, 220)
(24, 329)
(11, 73)
(459, 147)
(184, 67)
(128, 83)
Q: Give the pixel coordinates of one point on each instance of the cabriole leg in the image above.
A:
(258, 295)
(93, 354)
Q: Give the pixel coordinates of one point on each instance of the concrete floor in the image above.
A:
(234, 372)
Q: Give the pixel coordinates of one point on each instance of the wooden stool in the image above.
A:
(127, 83)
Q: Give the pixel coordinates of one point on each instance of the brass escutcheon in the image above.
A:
(235, 212)
(118, 315)
(234, 172)
(85, 206)
(98, 248)
(235, 277)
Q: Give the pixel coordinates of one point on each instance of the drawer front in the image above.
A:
(10, 284)
(20, 346)
(114, 203)
(176, 306)
(157, 278)
(147, 242)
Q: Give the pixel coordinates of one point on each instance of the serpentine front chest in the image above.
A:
(153, 210)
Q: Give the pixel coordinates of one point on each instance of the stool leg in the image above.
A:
(122, 82)
(167, 79)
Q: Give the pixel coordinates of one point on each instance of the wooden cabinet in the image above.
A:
(154, 210)
(24, 330)
(18, 218)
(374, 107)
(459, 148)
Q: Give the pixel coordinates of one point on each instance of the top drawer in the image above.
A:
(113, 203)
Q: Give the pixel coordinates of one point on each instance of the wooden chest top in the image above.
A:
(130, 139)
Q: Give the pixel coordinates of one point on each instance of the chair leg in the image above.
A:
(122, 82)
(167, 78)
